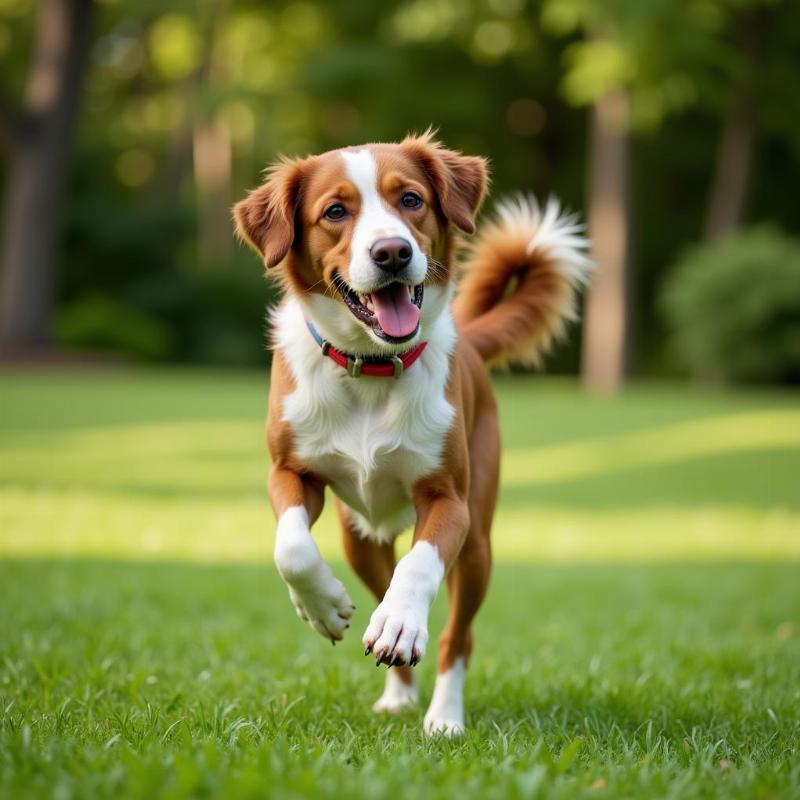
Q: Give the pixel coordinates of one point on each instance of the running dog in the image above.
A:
(380, 387)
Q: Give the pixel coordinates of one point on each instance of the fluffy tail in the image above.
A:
(521, 279)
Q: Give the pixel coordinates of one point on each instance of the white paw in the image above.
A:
(397, 632)
(322, 601)
(397, 696)
(445, 715)
(440, 726)
(317, 596)
(398, 629)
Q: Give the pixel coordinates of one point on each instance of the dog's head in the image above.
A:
(358, 234)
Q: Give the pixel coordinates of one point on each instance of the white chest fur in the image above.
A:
(370, 438)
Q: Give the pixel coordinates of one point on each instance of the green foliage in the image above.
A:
(734, 308)
(141, 258)
(508, 79)
(669, 56)
(96, 323)
(217, 314)
(175, 46)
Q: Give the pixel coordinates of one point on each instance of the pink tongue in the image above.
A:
(396, 313)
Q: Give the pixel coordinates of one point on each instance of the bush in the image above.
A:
(216, 315)
(733, 308)
(99, 324)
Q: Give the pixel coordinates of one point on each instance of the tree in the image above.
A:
(636, 63)
(38, 139)
(599, 74)
(212, 155)
(607, 326)
(733, 166)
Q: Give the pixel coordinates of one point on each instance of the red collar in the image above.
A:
(356, 366)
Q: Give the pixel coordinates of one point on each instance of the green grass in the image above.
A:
(641, 637)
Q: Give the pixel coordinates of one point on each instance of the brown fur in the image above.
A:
(511, 304)
(284, 221)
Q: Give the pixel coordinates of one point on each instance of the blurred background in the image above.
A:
(127, 130)
(133, 381)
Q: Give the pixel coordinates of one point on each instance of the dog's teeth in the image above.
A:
(410, 291)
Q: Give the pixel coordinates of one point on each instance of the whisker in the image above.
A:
(329, 290)
(314, 285)
(437, 269)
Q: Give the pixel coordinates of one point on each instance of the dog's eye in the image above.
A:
(411, 200)
(335, 212)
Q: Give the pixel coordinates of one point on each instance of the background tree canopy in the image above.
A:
(128, 129)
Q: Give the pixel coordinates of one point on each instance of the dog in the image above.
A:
(380, 388)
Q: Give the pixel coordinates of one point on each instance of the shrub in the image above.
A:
(99, 324)
(216, 315)
(733, 308)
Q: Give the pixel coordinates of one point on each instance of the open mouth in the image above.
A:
(392, 311)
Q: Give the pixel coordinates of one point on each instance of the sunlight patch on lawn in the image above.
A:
(196, 490)
(82, 523)
(117, 525)
(228, 457)
(217, 456)
(723, 434)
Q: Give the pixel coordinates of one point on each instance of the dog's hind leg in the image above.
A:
(467, 583)
(374, 562)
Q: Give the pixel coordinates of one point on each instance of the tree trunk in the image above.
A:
(731, 173)
(606, 331)
(212, 173)
(731, 181)
(37, 172)
(181, 149)
(212, 160)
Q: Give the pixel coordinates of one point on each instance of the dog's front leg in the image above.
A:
(398, 629)
(318, 597)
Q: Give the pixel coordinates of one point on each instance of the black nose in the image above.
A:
(391, 254)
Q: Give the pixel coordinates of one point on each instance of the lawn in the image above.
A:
(641, 637)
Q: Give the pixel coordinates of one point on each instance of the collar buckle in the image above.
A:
(398, 366)
(354, 366)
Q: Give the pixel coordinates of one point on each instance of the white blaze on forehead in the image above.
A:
(375, 221)
(362, 170)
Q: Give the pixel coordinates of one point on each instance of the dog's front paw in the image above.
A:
(397, 633)
(322, 601)
(435, 725)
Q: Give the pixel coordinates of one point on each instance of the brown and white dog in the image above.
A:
(379, 386)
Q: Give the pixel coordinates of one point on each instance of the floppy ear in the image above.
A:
(460, 181)
(265, 219)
